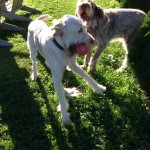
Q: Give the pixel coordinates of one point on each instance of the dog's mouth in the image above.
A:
(85, 16)
(79, 49)
(73, 48)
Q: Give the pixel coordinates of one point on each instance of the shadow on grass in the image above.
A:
(80, 134)
(5, 33)
(140, 64)
(20, 112)
(113, 121)
(125, 118)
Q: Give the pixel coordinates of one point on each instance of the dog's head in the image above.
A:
(72, 32)
(88, 11)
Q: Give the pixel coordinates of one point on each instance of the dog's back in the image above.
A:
(37, 28)
(124, 21)
(38, 23)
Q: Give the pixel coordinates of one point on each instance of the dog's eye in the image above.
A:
(80, 31)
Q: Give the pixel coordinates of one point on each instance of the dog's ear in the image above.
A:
(101, 16)
(58, 28)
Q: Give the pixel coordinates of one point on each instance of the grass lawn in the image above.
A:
(118, 120)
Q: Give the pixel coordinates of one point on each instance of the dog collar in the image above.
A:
(57, 44)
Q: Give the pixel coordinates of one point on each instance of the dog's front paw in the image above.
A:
(83, 66)
(66, 120)
(100, 89)
(34, 77)
(121, 69)
(68, 68)
(65, 117)
(59, 108)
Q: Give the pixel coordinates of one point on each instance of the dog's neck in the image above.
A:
(59, 43)
(92, 23)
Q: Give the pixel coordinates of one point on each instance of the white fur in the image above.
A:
(66, 32)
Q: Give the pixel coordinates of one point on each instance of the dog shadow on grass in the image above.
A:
(22, 120)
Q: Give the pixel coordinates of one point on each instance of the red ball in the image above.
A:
(81, 49)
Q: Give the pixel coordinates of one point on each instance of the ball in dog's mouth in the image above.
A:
(81, 49)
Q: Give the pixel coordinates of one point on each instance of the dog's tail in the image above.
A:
(44, 17)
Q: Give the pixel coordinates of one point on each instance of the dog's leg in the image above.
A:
(94, 59)
(33, 54)
(124, 62)
(87, 59)
(75, 67)
(127, 44)
(57, 74)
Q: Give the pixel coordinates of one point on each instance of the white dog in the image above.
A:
(56, 45)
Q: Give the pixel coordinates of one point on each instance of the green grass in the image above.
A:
(118, 120)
